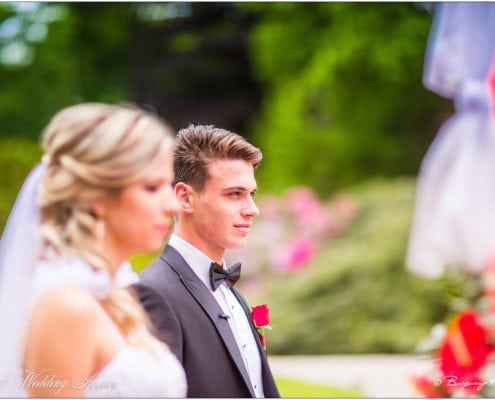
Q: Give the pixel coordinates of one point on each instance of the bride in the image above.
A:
(69, 325)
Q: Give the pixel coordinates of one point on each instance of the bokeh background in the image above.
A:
(331, 93)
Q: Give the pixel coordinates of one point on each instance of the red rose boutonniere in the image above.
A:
(261, 319)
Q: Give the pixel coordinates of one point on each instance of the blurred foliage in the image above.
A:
(193, 66)
(81, 57)
(142, 260)
(17, 157)
(343, 97)
(357, 297)
(331, 92)
(188, 62)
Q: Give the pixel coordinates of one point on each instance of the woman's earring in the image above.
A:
(99, 234)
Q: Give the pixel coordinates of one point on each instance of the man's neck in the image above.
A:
(214, 253)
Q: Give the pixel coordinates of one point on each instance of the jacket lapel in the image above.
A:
(208, 303)
(247, 311)
(269, 386)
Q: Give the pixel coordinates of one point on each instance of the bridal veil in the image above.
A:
(19, 249)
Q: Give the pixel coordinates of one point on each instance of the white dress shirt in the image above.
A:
(239, 324)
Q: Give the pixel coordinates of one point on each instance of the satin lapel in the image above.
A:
(208, 303)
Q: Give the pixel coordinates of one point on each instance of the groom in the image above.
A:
(187, 292)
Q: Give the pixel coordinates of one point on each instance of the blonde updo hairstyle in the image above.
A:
(95, 150)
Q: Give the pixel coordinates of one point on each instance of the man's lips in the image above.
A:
(243, 227)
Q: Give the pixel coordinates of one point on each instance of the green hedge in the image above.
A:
(358, 297)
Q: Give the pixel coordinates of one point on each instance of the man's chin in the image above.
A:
(236, 245)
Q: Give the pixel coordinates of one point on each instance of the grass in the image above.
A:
(290, 388)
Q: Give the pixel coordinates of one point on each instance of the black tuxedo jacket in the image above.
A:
(186, 317)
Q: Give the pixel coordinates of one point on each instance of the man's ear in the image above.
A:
(184, 194)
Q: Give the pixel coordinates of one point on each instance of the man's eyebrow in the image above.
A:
(239, 188)
(234, 188)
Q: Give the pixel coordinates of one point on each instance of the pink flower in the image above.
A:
(301, 251)
(306, 208)
(292, 256)
(269, 207)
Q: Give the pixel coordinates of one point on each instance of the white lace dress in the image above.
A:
(132, 372)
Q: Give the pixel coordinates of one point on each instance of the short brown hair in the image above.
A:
(199, 145)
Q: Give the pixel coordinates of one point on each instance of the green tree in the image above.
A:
(56, 54)
(188, 62)
(343, 95)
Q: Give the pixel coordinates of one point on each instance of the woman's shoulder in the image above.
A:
(63, 335)
(61, 323)
(68, 301)
(65, 312)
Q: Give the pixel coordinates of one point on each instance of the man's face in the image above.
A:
(224, 210)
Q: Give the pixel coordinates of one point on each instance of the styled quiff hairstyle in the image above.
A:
(198, 145)
(95, 150)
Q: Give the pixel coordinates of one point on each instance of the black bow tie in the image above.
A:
(218, 275)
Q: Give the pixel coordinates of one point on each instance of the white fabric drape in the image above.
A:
(454, 219)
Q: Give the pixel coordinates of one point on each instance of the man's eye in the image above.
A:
(152, 188)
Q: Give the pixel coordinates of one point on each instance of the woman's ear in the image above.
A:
(100, 208)
(184, 194)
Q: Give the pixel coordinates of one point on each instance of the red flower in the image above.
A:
(467, 345)
(464, 351)
(261, 319)
(261, 315)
